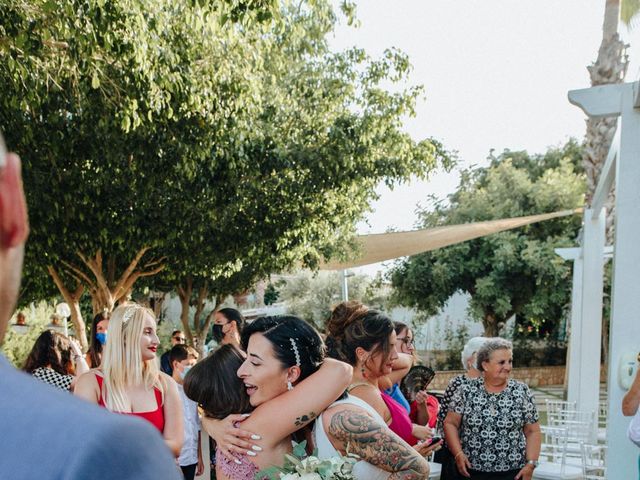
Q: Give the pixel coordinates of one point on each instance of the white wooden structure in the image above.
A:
(622, 169)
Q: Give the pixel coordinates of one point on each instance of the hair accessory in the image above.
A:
(128, 314)
(295, 350)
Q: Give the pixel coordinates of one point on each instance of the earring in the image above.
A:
(363, 371)
(289, 386)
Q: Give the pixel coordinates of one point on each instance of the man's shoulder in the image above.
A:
(56, 434)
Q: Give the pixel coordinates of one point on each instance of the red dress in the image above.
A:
(155, 417)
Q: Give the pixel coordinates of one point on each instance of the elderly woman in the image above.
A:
(492, 424)
(449, 469)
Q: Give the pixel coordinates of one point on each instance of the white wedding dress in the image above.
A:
(361, 470)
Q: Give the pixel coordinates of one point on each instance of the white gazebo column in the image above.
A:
(590, 336)
(575, 322)
(624, 336)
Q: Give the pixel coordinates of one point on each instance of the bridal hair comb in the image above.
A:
(295, 350)
(129, 313)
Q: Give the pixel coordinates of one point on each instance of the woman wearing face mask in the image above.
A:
(98, 339)
(284, 380)
(128, 380)
(227, 327)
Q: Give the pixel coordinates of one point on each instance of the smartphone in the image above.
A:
(433, 440)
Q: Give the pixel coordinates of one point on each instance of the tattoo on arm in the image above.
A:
(304, 419)
(377, 445)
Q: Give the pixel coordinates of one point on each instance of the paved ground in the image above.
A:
(556, 392)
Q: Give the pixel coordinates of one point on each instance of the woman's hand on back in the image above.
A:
(229, 438)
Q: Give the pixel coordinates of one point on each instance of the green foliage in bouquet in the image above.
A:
(299, 466)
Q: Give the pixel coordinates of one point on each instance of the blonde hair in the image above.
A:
(192, 352)
(122, 363)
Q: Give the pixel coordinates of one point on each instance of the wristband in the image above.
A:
(458, 454)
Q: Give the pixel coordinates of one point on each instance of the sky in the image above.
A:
(496, 75)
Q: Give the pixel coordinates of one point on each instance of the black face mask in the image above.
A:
(217, 333)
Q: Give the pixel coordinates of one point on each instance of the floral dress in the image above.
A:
(491, 430)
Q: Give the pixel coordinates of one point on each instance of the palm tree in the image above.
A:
(609, 67)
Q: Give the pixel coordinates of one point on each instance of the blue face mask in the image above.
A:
(183, 373)
(102, 338)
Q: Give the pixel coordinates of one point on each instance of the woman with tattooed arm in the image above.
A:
(366, 423)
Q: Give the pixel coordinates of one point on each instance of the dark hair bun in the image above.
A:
(344, 314)
(354, 325)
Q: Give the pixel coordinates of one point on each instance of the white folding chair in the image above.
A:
(581, 426)
(553, 464)
(602, 421)
(593, 466)
(558, 405)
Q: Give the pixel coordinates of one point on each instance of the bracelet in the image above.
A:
(458, 454)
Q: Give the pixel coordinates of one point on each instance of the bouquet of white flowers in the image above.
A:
(299, 466)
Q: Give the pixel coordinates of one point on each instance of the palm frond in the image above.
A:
(629, 10)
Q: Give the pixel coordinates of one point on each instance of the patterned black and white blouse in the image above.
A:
(454, 384)
(50, 376)
(491, 431)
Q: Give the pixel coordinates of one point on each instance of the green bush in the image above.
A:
(17, 345)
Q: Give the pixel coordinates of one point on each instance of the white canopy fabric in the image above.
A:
(386, 246)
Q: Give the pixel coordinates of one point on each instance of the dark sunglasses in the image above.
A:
(180, 339)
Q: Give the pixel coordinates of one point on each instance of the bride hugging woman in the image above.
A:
(284, 382)
(350, 425)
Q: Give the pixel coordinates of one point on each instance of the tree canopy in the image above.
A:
(213, 141)
(509, 273)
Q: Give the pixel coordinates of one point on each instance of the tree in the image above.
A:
(509, 273)
(150, 130)
(301, 168)
(311, 296)
(609, 67)
(271, 294)
(209, 140)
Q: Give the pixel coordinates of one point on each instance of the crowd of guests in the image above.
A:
(269, 382)
(276, 380)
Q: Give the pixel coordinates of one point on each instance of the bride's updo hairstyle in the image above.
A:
(352, 325)
(293, 340)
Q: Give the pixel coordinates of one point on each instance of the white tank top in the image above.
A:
(361, 470)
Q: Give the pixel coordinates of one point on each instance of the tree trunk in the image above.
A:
(196, 334)
(610, 67)
(490, 324)
(105, 291)
(204, 330)
(73, 300)
(184, 293)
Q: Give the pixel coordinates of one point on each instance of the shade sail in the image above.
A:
(386, 246)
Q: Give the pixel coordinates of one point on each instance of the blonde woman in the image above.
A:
(129, 382)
